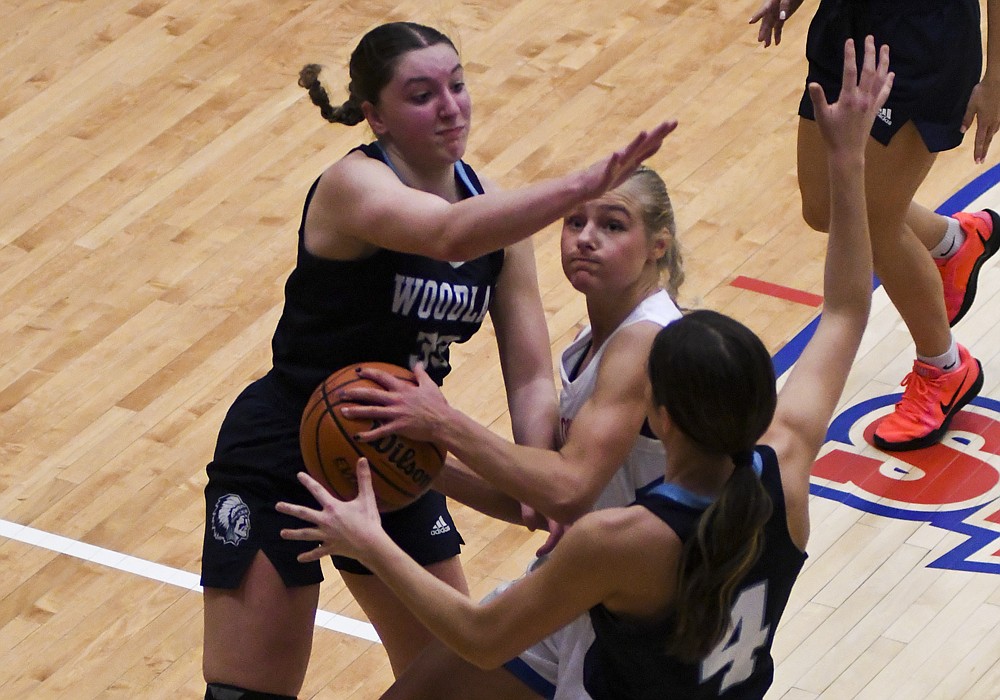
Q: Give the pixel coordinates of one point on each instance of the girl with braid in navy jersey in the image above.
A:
(402, 250)
(686, 586)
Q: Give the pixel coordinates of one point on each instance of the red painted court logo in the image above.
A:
(954, 485)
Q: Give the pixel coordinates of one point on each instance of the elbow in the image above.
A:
(455, 249)
(575, 501)
(456, 242)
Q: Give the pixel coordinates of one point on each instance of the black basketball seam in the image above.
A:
(350, 440)
(315, 448)
(319, 459)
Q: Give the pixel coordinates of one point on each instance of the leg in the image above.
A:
(440, 674)
(902, 261)
(813, 175)
(934, 393)
(259, 636)
(927, 225)
(402, 635)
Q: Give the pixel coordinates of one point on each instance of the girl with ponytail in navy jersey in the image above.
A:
(402, 251)
(718, 545)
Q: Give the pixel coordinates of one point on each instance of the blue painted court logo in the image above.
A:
(954, 485)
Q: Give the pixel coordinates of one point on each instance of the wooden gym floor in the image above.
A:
(153, 159)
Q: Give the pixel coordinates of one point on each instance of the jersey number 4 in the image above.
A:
(746, 634)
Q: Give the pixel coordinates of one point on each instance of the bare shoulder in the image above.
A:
(627, 354)
(642, 551)
(621, 529)
(639, 333)
(349, 193)
(354, 171)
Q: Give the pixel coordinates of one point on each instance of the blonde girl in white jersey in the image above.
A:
(620, 251)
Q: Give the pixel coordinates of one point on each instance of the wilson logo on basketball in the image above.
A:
(953, 485)
(402, 456)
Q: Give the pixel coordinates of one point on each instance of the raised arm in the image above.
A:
(810, 395)
(360, 204)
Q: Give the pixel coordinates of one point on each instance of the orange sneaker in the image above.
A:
(960, 272)
(931, 399)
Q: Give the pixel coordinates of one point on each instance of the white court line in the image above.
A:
(156, 572)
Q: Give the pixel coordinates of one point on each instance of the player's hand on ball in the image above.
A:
(330, 438)
(400, 407)
(347, 528)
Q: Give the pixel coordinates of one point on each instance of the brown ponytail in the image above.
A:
(728, 543)
(715, 379)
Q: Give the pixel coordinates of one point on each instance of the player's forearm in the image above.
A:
(458, 482)
(534, 415)
(538, 477)
(477, 225)
(848, 273)
(450, 615)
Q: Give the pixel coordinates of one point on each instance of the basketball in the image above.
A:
(402, 469)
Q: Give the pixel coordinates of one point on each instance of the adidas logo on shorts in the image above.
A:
(440, 527)
(885, 114)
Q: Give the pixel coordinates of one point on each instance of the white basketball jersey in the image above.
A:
(558, 660)
(645, 462)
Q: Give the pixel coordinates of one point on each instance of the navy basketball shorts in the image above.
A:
(256, 460)
(935, 51)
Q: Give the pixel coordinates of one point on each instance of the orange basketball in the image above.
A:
(402, 469)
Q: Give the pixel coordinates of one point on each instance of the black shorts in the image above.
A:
(935, 51)
(256, 459)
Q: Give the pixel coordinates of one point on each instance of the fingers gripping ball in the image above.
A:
(402, 469)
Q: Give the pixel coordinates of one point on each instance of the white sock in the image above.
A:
(953, 239)
(947, 362)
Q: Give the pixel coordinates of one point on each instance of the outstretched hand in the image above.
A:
(612, 171)
(846, 123)
(346, 528)
(772, 16)
(398, 406)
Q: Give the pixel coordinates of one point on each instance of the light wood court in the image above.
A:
(154, 155)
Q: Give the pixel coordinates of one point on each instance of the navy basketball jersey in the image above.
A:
(390, 307)
(627, 660)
